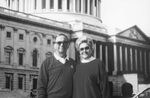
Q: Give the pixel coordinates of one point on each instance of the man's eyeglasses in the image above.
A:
(60, 42)
(85, 48)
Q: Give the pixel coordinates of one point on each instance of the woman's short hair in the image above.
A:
(84, 39)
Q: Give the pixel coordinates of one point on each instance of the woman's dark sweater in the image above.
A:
(90, 80)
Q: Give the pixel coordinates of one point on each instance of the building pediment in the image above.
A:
(133, 33)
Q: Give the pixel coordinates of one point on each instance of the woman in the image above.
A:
(90, 79)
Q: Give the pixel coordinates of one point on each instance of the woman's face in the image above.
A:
(85, 51)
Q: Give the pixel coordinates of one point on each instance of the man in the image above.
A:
(56, 73)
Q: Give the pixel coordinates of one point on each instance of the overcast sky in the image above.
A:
(126, 13)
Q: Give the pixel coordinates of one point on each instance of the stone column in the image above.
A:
(15, 5)
(138, 60)
(115, 59)
(141, 68)
(15, 81)
(126, 59)
(149, 61)
(131, 59)
(136, 66)
(121, 65)
(71, 5)
(64, 5)
(47, 5)
(15, 42)
(55, 5)
(26, 6)
(6, 4)
(28, 50)
(99, 8)
(145, 63)
(74, 5)
(118, 57)
(78, 5)
(101, 53)
(2, 39)
(31, 8)
(88, 7)
(2, 78)
(11, 4)
(27, 82)
(39, 6)
(82, 6)
(94, 12)
(106, 57)
(21, 5)
(123, 58)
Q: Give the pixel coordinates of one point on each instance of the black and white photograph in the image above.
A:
(75, 49)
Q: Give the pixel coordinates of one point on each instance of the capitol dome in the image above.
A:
(86, 11)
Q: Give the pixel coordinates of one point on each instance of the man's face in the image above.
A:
(61, 44)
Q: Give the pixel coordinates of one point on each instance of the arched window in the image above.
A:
(9, 81)
(34, 57)
(21, 52)
(21, 81)
(33, 79)
(35, 39)
(8, 53)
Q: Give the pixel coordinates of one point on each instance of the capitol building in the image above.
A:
(29, 27)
